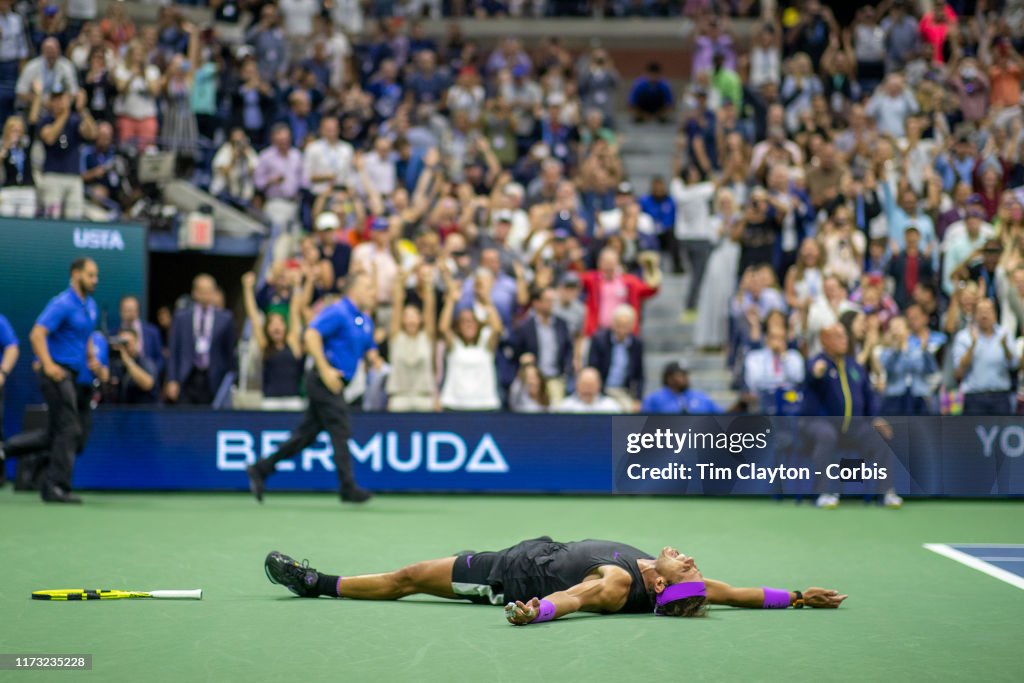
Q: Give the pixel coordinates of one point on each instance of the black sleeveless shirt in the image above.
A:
(281, 373)
(540, 566)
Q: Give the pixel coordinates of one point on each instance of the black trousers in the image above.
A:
(326, 412)
(197, 390)
(697, 253)
(668, 244)
(827, 443)
(987, 403)
(70, 416)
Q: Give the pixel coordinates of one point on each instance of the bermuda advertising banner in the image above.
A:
(158, 449)
(34, 262)
(203, 450)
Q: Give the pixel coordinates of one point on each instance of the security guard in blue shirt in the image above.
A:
(336, 341)
(32, 447)
(8, 357)
(62, 341)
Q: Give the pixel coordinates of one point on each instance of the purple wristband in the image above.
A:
(775, 598)
(545, 613)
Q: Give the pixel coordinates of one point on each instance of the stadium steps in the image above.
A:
(668, 336)
(646, 150)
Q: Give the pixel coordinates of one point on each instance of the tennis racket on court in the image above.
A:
(85, 594)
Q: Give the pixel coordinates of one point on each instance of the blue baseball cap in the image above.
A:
(380, 223)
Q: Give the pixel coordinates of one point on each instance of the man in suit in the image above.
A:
(910, 266)
(547, 338)
(147, 335)
(618, 355)
(202, 347)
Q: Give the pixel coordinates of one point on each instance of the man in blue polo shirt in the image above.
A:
(61, 339)
(676, 397)
(8, 357)
(336, 341)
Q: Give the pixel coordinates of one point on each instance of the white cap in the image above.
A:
(328, 220)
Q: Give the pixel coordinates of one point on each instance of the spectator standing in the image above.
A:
(909, 372)
(909, 267)
(180, 130)
(98, 84)
(268, 42)
(202, 347)
(378, 257)
(62, 133)
(891, 105)
(718, 288)
(14, 50)
(49, 70)
(608, 287)
(18, 195)
(234, 167)
(252, 103)
(327, 159)
(279, 342)
(138, 84)
(280, 176)
(546, 339)
(147, 336)
(470, 381)
(411, 385)
(985, 358)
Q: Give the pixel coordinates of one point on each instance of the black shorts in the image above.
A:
(472, 578)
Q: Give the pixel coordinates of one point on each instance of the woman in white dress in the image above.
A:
(470, 380)
(721, 275)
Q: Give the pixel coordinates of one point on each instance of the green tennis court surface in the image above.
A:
(912, 614)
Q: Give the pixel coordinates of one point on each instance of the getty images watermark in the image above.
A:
(757, 455)
(662, 440)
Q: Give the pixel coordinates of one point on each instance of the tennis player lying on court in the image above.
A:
(582, 576)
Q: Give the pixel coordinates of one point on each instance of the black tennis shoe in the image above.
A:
(300, 579)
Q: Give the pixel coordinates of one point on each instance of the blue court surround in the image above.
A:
(1007, 557)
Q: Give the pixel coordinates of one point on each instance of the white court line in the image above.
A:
(974, 563)
(985, 545)
(1002, 559)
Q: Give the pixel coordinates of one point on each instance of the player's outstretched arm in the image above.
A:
(605, 594)
(721, 593)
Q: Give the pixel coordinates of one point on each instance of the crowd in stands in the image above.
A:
(861, 180)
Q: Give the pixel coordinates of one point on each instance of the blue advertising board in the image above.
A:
(203, 450)
(162, 449)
